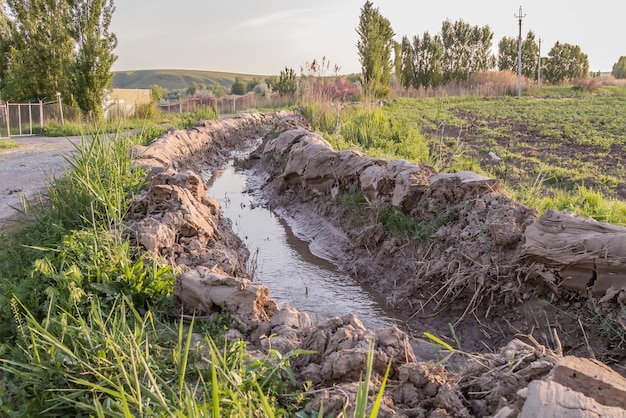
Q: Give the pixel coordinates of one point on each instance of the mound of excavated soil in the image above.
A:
(448, 250)
(478, 265)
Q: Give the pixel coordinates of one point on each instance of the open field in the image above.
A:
(555, 152)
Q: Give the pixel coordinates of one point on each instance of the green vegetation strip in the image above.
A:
(7, 143)
(560, 149)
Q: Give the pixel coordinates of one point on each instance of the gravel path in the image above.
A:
(24, 171)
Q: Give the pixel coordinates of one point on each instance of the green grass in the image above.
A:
(401, 224)
(118, 362)
(153, 126)
(72, 128)
(374, 130)
(8, 143)
(188, 119)
(359, 212)
(73, 248)
(357, 208)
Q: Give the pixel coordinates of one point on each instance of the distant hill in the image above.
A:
(174, 79)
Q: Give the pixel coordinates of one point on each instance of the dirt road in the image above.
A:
(25, 170)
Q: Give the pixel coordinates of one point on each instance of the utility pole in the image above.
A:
(539, 65)
(519, 16)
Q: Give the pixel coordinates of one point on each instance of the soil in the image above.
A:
(466, 285)
(526, 143)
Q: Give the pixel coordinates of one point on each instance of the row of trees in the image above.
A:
(57, 46)
(457, 52)
(564, 61)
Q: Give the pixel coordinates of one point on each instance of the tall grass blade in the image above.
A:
(363, 390)
(381, 391)
(214, 385)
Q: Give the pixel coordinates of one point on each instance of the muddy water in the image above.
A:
(285, 263)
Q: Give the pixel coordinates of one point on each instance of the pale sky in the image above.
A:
(262, 37)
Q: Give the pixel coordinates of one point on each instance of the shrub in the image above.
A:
(588, 84)
(187, 120)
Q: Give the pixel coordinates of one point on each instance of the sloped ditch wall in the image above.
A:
(175, 218)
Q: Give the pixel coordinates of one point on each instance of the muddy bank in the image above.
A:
(463, 263)
(450, 249)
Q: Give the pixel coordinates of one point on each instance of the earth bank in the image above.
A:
(474, 262)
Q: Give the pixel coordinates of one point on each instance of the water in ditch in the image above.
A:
(285, 264)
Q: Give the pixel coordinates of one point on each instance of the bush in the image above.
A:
(147, 111)
(189, 119)
(590, 84)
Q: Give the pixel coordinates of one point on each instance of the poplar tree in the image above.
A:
(508, 50)
(406, 62)
(466, 50)
(374, 48)
(5, 45)
(59, 46)
(93, 56)
(619, 68)
(40, 51)
(566, 62)
(428, 61)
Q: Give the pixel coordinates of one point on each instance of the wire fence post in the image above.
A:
(41, 114)
(60, 108)
(6, 113)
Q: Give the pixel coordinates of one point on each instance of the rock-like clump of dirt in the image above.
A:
(444, 248)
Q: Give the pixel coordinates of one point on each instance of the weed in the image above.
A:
(363, 391)
(401, 224)
(357, 207)
(119, 362)
(8, 143)
(381, 135)
(189, 119)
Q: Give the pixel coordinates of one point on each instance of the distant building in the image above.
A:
(124, 102)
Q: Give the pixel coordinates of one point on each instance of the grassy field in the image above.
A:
(554, 152)
(560, 148)
(174, 79)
